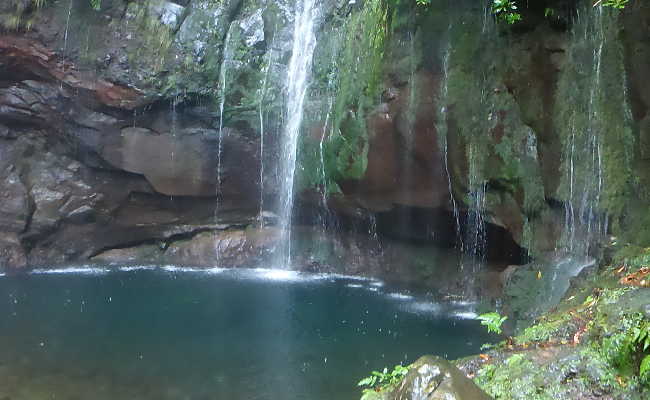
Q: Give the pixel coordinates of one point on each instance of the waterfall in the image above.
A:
(592, 87)
(304, 42)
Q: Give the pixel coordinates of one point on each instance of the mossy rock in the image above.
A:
(434, 378)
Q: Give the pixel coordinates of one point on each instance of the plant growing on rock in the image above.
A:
(506, 10)
(383, 379)
(492, 321)
(641, 338)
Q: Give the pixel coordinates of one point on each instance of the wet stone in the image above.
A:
(434, 378)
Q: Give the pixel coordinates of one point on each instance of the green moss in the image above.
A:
(546, 330)
(594, 120)
(591, 343)
(353, 87)
(512, 379)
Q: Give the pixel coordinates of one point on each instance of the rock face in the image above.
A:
(115, 143)
(95, 154)
(231, 248)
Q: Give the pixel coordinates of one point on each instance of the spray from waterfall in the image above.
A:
(304, 43)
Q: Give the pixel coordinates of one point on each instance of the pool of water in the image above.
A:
(236, 335)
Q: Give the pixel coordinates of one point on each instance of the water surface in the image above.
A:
(236, 335)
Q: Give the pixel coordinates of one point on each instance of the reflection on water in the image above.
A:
(172, 334)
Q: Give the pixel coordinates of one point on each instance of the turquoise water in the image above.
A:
(236, 335)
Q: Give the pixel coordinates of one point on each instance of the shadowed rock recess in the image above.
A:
(441, 148)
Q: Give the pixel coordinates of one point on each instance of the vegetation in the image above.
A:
(23, 13)
(384, 379)
(492, 321)
(340, 152)
(601, 334)
(508, 11)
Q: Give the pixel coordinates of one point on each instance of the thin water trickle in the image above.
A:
(223, 86)
(262, 134)
(65, 37)
(174, 128)
(321, 154)
(442, 132)
(304, 43)
(325, 132)
(585, 224)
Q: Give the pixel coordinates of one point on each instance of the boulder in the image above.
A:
(232, 248)
(434, 378)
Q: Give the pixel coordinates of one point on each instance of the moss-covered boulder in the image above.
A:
(431, 378)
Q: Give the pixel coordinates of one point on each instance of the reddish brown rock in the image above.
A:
(27, 55)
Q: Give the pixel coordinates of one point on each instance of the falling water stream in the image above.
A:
(304, 42)
(475, 240)
(442, 133)
(262, 134)
(65, 36)
(223, 86)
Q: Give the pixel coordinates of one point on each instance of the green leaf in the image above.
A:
(492, 321)
(644, 370)
(366, 381)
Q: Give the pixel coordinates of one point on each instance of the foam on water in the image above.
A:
(354, 285)
(465, 315)
(280, 275)
(423, 307)
(82, 270)
(176, 269)
(137, 268)
(400, 296)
